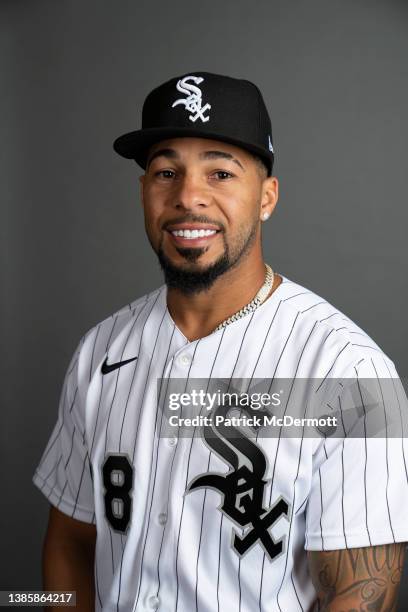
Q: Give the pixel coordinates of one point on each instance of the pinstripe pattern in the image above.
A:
(342, 476)
(290, 524)
(401, 420)
(365, 458)
(155, 451)
(386, 450)
(177, 545)
(294, 374)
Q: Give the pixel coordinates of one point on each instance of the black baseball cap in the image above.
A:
(202, 105)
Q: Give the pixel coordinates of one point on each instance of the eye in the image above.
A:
(223, 175)
(166, 174)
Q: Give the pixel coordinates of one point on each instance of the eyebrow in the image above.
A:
(169, 153)
(172, 154)
(220, 154)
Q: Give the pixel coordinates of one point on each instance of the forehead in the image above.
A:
(187, 147)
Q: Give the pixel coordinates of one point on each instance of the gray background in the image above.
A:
(334, 76)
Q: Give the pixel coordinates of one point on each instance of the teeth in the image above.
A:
(193, 233)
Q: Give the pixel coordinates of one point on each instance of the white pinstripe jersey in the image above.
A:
(175, 553)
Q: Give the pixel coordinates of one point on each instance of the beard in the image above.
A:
(190, 280)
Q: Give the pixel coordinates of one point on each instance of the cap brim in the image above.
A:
(135, 145)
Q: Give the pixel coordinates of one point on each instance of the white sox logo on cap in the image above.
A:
(193, 100)
(202, 105)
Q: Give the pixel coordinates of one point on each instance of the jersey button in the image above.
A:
(185, 359)
(162, 518)
(172, 441)
(153, 602)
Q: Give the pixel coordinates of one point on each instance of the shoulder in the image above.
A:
(96, 341)
(121, 317)
(334, 333)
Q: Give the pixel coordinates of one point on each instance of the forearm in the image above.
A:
(358, 602)
(357, 580)
(70, 567)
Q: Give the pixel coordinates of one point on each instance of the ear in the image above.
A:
(269, 197)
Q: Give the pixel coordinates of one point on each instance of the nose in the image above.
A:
(191, 193)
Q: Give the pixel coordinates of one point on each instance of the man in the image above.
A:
(219, 519)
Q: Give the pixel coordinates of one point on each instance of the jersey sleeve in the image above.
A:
(64, 473)
(359, 485)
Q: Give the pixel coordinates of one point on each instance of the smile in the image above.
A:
(193, 234)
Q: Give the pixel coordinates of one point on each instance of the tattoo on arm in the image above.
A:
(357, 579)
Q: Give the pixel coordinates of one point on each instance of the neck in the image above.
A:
(199, 314)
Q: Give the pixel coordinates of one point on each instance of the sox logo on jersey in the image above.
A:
(242, 488)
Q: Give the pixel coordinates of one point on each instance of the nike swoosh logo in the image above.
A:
(106, 368)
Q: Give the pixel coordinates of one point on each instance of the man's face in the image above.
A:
(202, 205)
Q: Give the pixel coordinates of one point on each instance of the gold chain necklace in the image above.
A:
(253, 304)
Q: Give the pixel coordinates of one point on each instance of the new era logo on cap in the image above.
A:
(210, 106)
(193, 100)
